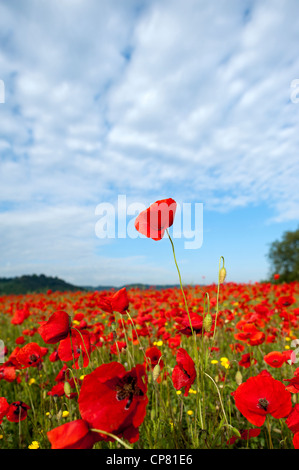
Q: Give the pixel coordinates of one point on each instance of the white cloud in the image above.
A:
(144, 99)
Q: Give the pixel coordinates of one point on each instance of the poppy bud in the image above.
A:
(59, 415)
(235, 431)
(222, 275)
(67, 389)
(294, 399)
(207, 322)
(238, 378)
(156, 371)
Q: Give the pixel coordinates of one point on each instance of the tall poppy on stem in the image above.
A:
(156, 219)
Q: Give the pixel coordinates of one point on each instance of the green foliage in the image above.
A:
(284, 257)
(34, 283)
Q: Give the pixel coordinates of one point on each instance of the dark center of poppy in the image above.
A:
(18, 407)
(127, 388)
(186, 373)
(33, 358)
(263, 404)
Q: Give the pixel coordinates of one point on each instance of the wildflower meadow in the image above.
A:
(195, 367)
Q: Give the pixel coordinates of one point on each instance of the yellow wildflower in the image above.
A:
(33, 445)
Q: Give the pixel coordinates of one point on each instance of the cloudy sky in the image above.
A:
(143, 100)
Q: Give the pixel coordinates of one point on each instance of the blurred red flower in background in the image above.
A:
(117, 302)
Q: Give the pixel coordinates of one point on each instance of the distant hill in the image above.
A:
(33, 283)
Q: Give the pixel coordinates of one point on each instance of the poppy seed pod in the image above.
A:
(67, 389)
(156, 371)
(238, 378)
(207, 322)
(222, 275)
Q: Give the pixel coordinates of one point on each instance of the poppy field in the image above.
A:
(195, 367)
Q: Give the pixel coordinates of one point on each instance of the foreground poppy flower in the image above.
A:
(156, 219)
(184, 373)
(17, 412)
(56, 328)
(114, 400)
(73, 435)
(262, 395)
(117, 302)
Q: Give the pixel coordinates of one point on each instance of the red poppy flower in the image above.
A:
(292, 420)
(58, 390)
(20, 340)
(296, 440)
(285, 301)
(275, 359)
(29, 355)
(117, 347)
(184, 373)
(262, 395)
(237, 347)
(4, 407)
(293, 386)
(156, 219)
(8, 373)
(20, 316)
(247, 360)
(114, 400)
(73, 345)
(54, 356)
(153, 355)
(17, 412)
(251, 334)
(56, 328)
(196, 322)
(73, 435)
(118, 302)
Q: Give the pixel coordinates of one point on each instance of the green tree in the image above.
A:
(284, 257)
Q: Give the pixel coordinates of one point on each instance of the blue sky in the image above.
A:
(147, 99)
